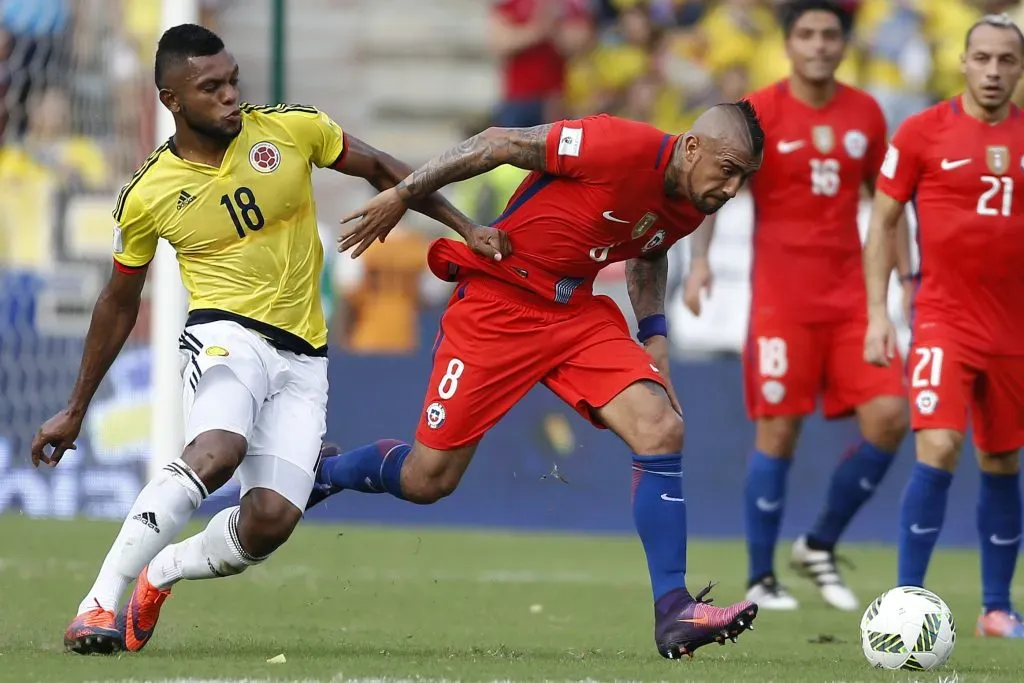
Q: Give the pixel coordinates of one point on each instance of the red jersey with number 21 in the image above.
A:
(807, 247)
(602, 200)
(966, 178)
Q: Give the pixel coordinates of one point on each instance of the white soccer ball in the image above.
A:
(907, 628)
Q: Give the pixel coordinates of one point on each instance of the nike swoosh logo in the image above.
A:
(608, 216)
(915, 529)
(866, 484)
(999, 541)
(765, 505)
(696, 621)
(670, 499)
(948, 165)
(138, 632)
(655, 368)
(785, 147)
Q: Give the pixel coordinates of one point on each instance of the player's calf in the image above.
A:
(265, 521)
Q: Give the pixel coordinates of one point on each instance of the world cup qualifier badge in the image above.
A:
(824, 139)
(265, 157)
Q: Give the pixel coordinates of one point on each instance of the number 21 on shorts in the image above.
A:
(927, 368)
(450, 381)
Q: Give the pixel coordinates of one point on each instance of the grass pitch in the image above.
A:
(348, 604)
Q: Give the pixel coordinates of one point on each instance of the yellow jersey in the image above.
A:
(245, 234)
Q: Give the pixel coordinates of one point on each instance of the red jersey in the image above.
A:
(963, 176)
(807, 247)
(601, 201)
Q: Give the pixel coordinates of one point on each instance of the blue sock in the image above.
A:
(853, 483)
(765, 496)
(999, 525)
(373, 468)
(921, 515)
(659, 513)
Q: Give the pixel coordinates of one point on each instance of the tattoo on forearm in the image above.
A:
(646, 281)
(522, 147)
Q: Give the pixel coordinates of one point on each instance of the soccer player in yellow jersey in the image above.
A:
(231, 192)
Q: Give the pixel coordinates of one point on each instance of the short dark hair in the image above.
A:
(791, 12)
(753, 126)
(1002, 21)
(184, 42)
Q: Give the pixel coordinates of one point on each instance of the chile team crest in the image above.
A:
(824, 139)
(265, 157)
(998, 159)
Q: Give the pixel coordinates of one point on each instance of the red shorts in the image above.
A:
(788, 365)
(496, 342)
(948, 379)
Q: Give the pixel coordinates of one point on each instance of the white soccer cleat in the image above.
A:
(820, 567)
(768, 594)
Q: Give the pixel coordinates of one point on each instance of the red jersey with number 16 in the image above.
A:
(965, 178)
(807, 247)
(601, 200)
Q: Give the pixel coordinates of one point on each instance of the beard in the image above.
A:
(704, 204)
(222, 132)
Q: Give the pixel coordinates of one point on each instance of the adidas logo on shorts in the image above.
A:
(149, 519)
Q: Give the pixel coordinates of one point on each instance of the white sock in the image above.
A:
(215, 551)
(160, 512)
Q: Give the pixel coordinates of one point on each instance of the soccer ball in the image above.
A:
(907, 628)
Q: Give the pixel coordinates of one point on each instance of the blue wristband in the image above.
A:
(652, 326)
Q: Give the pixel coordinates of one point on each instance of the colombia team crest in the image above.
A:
(824, 139)
(998, 159)
(265, 157)
(644, 224)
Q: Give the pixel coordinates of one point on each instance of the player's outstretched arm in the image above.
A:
(113, 318)
(879, 258)
(383, 171)
(646, 282)
(522, 147)
(525, 148)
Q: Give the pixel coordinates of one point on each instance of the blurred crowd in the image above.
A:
(77, 110)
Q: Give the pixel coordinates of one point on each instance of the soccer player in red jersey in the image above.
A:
(961, 162)
(601, 190)
(824, 143)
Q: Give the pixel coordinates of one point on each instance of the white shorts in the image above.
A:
(234, 380)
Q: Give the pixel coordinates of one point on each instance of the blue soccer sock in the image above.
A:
(764, 499)
(659, 513)
(373, 468)
(854, 481)
(999, 526)
(921, 515)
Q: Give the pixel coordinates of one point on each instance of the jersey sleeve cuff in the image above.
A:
(551, 147)
(342, 154)
(131, 270)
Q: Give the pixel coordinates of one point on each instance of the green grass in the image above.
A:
(366, 603)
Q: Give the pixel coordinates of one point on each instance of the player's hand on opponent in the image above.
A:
(377, 218)
(880, 340)
(491, 243)
(657, 348)
(60, 432)
(698, 281)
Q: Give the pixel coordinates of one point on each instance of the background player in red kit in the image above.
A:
(962, 163)
(824, 143)
(601, 190)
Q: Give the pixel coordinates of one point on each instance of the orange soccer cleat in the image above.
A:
(1000, 624)
(138, 618)
(93, 633)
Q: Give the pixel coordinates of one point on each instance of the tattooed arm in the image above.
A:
(646, 281)
(524, 148)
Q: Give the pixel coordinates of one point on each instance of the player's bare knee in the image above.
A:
(660, 431)
(214, 456)
(265, 521)
(887, 423)
(939, 448)
(1004, 464)
(777, 436)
